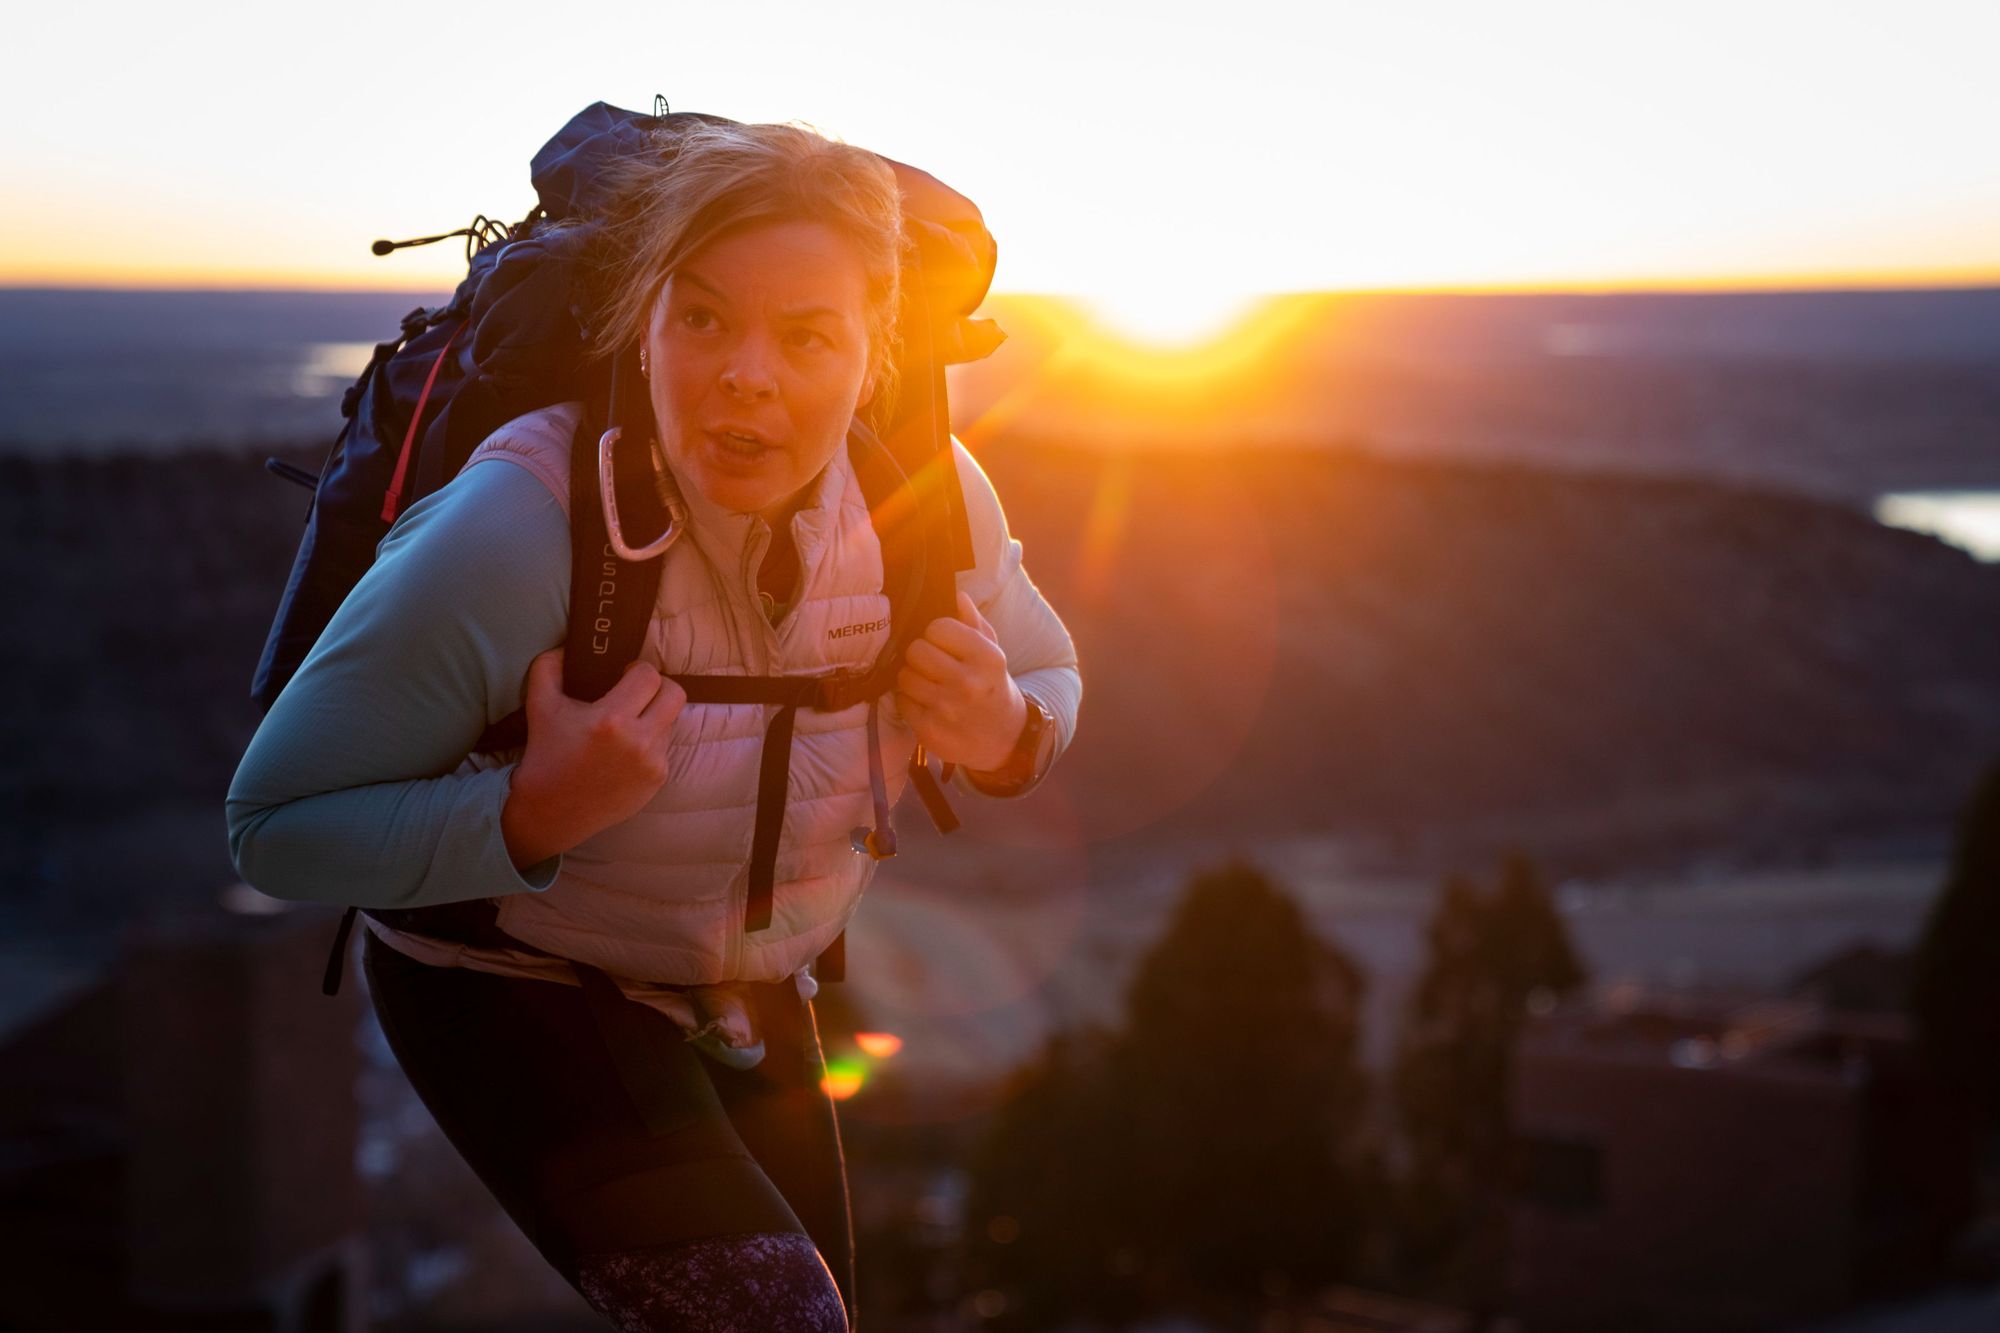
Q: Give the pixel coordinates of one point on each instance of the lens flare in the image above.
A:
(878, 1045)
(843, 1078)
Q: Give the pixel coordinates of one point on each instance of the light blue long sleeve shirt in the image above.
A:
(352, 789)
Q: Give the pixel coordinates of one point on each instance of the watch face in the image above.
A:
(1041, 735)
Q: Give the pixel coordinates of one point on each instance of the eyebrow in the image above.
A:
(809, 312)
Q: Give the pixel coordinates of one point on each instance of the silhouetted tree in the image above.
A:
(1040, 1213)
(1212, 1148)
(1955, 995)
(1238, 1091)
(1489, 956)
(1525, 934)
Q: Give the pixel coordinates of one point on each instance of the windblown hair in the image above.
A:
(703, 178)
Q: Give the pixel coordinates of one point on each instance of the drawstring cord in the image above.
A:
(880, 841)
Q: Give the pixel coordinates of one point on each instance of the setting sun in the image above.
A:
(1169, 316)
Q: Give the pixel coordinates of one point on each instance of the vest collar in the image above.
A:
(729, 537)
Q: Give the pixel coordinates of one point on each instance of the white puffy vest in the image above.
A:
(661, 896)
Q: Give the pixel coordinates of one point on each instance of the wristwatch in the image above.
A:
(1024, 764)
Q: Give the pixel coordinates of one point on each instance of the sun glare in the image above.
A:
(1238, 342)
(1169, 317)
(1077, 366)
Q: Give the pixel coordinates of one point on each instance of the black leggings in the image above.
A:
(729, 1211)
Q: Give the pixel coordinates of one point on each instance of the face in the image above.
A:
(758, 353)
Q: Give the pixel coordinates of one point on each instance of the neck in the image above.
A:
(779, 516)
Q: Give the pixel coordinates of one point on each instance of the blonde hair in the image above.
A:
(700, 179)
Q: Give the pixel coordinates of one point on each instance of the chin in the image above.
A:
(732, 493)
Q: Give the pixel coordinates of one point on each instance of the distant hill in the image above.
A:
(1409, 653)
(1841, 394)
(1431, 653)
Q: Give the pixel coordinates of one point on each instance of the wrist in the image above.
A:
(1023, 765)
(1017, 719)
(526, 829)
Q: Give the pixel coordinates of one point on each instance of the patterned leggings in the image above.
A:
(730, 1212)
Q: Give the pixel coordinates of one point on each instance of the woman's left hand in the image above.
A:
(955, 692)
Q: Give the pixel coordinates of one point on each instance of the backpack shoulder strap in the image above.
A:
(610, 599)
(915, 525)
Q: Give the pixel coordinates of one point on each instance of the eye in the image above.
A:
(698, 317)
(804, 337)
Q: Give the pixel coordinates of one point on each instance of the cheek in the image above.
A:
(678, 393)
(837, 389)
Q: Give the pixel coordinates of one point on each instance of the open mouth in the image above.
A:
(740, 444)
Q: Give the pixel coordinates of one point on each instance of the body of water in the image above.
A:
(1854, 394)
(89, 370)
(1966, 519)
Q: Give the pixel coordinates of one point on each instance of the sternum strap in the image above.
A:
(790, 693)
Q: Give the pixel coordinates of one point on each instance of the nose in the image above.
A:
(748, 372)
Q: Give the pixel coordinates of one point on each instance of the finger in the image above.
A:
(545, 678)
(634, 690)
(915, 715)
(968, 611)
(666, 705)
(932, 662)
(961, 640)
(927, 692)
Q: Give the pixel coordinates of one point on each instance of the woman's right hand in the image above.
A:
(587, 766)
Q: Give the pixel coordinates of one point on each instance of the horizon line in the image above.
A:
(1817, 283)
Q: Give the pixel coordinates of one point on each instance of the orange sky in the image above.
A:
(1165, 170)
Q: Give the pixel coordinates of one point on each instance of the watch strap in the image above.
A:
(1023, 764)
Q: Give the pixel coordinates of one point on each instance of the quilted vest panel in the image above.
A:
(661, 896)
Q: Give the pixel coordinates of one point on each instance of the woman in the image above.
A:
(633, 1074)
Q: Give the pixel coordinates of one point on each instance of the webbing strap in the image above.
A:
(336, 960)
(931, 793)
(826, 694)
(772, 777)
(831, 965)
(799, 691)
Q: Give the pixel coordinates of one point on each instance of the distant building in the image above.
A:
(1356, 1310)
(1715, 1161)
(1863, 978)
(177, 1141)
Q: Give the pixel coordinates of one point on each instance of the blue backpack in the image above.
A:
(513, 339)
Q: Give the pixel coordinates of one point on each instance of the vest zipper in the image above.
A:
(746, 576)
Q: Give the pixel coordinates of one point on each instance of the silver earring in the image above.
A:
(643, 372)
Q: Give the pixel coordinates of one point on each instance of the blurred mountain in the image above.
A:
(1433, 652)
(1417, 653)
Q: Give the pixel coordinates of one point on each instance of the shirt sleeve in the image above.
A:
(359, 787)
(1040, 654)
